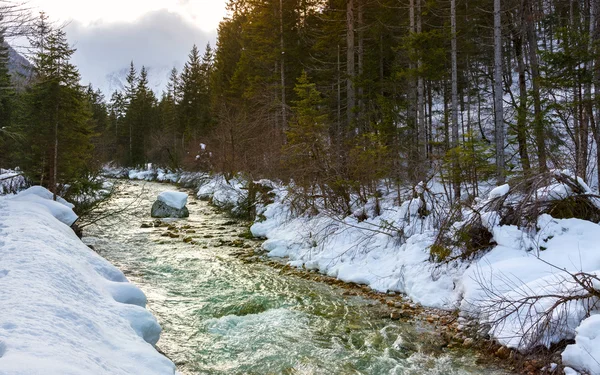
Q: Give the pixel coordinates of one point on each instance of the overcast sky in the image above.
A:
(108, 34)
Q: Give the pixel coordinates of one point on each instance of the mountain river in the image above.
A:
(221, 315)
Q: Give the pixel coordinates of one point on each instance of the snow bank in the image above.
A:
(186, 179)
(223, 192)
(364, 252)
(174, 199)
(60, 209)
(584, 354)
(66, 310)
(521, 266)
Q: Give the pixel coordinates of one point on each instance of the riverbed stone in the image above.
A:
(162, 210)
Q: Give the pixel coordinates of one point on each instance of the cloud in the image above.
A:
(158, 40)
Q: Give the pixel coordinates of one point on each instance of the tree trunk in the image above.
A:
(350, 65)
(538, 123)
(421, 126)
(412, 115)
(595, 35)
(454, 142)
(131, 144)
(55, 161)
(339, 133)
(282, 67)
(361, 58)
(522, 111)
(498, 93)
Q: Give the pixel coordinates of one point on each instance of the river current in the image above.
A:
(221, 315)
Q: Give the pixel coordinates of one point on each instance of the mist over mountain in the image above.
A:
(159, 40)
(18, 66)
(116, 80)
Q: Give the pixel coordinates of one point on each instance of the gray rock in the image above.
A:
(161, 210)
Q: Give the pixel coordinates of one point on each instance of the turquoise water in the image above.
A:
(224, 316)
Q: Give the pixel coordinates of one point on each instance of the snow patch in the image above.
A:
(499, 191)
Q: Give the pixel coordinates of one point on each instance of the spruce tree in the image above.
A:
(195, 104)
(140, 111)
(7, 98)
(130, 91)
(6, 88)
(306, 151)
(57, 125)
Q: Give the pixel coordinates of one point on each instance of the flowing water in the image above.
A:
(221, 315)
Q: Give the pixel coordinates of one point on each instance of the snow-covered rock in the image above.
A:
(173, 199)
(161, 210)
(170, 204)
(64, 309)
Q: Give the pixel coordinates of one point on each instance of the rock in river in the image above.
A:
(170, 204)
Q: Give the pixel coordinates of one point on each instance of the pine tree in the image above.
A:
(57, 126)
(306, 151)
(7, 98)
(129, 96)
(6, 88)
(195, 103)
(144, 105)
(170, 117)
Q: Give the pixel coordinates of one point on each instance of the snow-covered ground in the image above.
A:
(64, 309)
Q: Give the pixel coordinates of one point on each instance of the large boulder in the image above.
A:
(161, 210)
(170, 204)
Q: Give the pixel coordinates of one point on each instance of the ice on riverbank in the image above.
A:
(66, 310)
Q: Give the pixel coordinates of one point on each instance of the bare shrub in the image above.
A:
(555, 193)
(541, 317)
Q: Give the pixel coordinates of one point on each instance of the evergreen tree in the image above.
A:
(100, 123)
(306, 151)
(174, 142)
(7, 98)
(129, 97)
(57, 122)
(195, 103)
(141, 113)
(6, 89)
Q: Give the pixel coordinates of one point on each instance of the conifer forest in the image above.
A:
(334, 94)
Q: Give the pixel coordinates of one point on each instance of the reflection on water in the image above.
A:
(222, 316)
